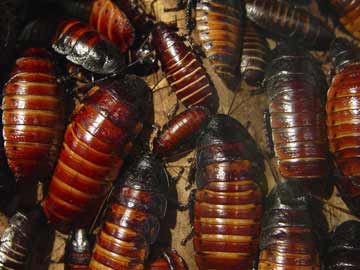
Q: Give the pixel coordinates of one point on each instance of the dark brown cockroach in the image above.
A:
(255, 53)
(349, 15)
(95, 144)
(169, 260)
(282, 19)
(227, 207)
(180, 133)
(132, 219)
(290, 235)
(296, 87)
(344, 247)
(78, 250)
(17, 240)
(84, 46)
(342, 107)
(183, 69)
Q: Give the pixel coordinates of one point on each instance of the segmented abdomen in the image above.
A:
(33, 116)
(283, 19)
(349, 13)
(220, 26)
(183, 70)
(169, 260)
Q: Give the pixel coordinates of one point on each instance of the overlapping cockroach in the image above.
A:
(78, 250)
(169, 260)
(349, 15)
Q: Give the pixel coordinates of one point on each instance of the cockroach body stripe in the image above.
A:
(228, 201)
(169, 260)
(78, 251)
(132, 219)
(183, 69)
(283, 19)
(349, 15)
(95, 144)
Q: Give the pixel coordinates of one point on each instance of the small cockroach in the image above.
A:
(183, 69)
(282, 19)
(95, 144)
(296, 88)
(227, 206)
(84, 46)
(255, 53)
(169, 260)
(78, 250)
(344, 247)
(343, 125)
(180, 133)
(132, 220)
(349, 15)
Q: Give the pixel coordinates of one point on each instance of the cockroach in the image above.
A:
(343, 104)
(282, 19)
(169, 260)
(132, 219)
(183, 69)
(349, 15)
(17, 239)
(96, 143)
(226, 208)
(289, 235)
(344, 247)
(180, 133)
(78, 250)
(84, 46)
(296, 88)
(255, 53)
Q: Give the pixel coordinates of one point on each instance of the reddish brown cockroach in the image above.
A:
(281, 18)
(169, 260)
(78, 250)
(183, 69)
(132, 220)
(96, 142)
(349, 15)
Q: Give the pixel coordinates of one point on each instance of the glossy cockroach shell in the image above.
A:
(220, 27)
(180, 133)
(349, 15)
(132, 220)
(95, 144)
(342, 108)
(169, 260)
(84, 46)
(228, 201)
(289, 238)
(255, 53)
(282, 19)
(296, 88)
(344, 247)
(78, 250)
(33, 116)
(183, 69)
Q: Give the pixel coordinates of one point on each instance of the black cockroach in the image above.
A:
(78, 250)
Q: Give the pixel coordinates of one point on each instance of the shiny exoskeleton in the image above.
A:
(349, 15)
(95, 144)
(344, 247)
(78, 251)
(180, 133)
(220, 27)
(296, 87)
(342, 107)
(132, 220)
(228, 200)
(183, 69)
(289, 238)
(83, 45)
(169, 260)
(17, 240)
(281, 18)
(255, 53)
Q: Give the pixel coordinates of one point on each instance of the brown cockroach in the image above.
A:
(342, 107)
(296, 88)
(169, 260)
(227, 206)
(84, 46)
(349, 15)
(78, 250)
(183, 69)
(95, 144)
(282, 19)
(132, 220)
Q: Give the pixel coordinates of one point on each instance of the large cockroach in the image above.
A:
(344, 247)
(96, 142)
(349, 15)
(284, 20)
(17, 240)
(343, 104)
(183, 69)
(180, 133)
(83, 45)
(132, 219)
(227, 206)
(255, 53)
(290, 237)
(296, 88)
(78, 250)
(169, 260)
